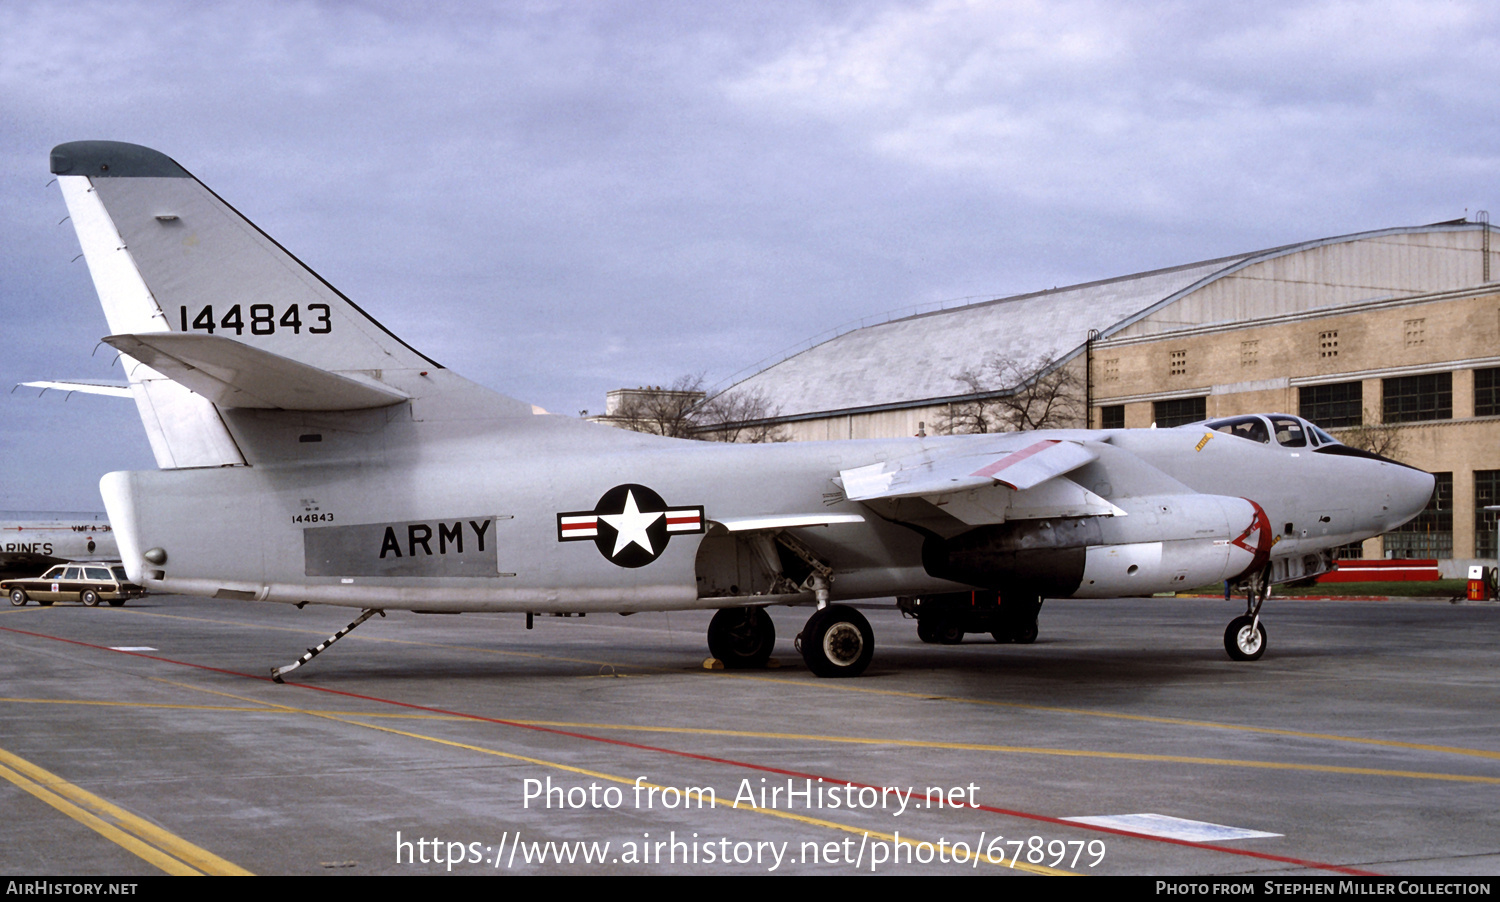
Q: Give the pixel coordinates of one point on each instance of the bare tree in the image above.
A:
(682, 410)
(739, 416)
(1384, 440)
(656, 410)
(1015, 395)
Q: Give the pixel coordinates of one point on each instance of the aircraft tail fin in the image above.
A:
(167, 255)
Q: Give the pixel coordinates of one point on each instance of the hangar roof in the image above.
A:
(913, 360)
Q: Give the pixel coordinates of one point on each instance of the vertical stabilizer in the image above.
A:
(168, 255)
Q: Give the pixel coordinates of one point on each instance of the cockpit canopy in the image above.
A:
(1288, 431)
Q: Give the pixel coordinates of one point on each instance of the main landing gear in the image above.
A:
(742, 638)
(837, 640)
(1245, 637)
(945, 618)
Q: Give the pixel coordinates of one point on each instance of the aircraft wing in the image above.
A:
(232, 374)
(1014, 477)
(1015, 461)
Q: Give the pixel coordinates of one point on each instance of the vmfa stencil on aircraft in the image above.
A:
(308, 455)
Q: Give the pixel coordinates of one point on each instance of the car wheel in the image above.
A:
(89, 597)
(18, 597)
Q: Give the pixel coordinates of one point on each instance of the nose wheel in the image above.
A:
(1245, 637)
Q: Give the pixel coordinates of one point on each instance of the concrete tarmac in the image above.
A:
(148, 739)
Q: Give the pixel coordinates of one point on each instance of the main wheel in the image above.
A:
(837, 642)
(742, 637)
(89, 597)
(1242, 642)
(18, 597)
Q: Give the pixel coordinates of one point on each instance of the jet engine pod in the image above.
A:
(1173, 542)
(1047, 557)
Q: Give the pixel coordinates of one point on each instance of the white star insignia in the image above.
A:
(630, 526)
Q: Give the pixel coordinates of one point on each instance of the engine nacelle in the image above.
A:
(1162, 543)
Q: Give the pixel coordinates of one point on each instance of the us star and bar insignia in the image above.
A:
(630, 525)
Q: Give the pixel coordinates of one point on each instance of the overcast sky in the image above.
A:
(557, 199)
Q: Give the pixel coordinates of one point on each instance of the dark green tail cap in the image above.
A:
(113, 159)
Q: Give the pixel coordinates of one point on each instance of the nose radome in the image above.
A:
(1410, 491)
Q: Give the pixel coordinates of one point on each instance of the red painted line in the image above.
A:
(1011, 460)
(1010, 812)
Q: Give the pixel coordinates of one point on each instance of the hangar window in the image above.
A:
(1430, 534)
(1333, 406)
(1328, 344)
(1179, 411)
(1112, 417)
(1487, 393)
(1177, 363)
(1486, 492)
(1412, 399)
(1351, 552)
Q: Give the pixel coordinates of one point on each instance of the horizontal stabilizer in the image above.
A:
(86, 388)
(1014, 461)
(232, 374)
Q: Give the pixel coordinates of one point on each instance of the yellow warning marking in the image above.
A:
(946, 848)
(151, 843)
(1203, 441)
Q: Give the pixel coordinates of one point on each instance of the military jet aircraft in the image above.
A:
(35, 539)
(308, 455)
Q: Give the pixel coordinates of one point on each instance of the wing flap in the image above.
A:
(232, 374)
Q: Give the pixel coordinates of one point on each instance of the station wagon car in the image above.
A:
(88, 583)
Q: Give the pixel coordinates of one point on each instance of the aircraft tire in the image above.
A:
(743, 638)
(18, 597)
(89, 597)
(837, 642)
(948, 631)
(1241, 643)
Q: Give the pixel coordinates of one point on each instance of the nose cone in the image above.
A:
(1409, 491)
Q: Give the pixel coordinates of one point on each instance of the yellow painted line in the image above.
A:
(627, 781)
(1023, 750)
(151, 843)
(843, 686)
(840, 686)
(258, 709)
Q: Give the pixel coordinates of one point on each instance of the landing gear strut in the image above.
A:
(1245, 637)
(742, 638)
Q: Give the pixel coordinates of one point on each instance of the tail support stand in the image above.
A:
(278, 672)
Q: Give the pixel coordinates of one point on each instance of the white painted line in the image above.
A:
(132, 648)
(1170, 827)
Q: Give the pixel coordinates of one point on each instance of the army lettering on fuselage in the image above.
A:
(457, 546)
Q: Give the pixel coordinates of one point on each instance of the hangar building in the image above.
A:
(1391, 334)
